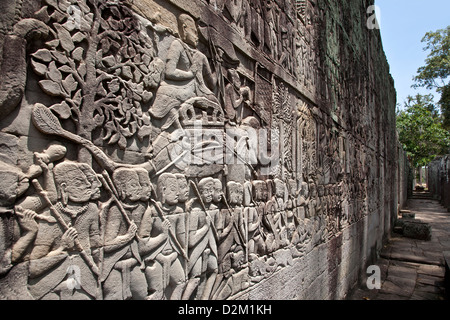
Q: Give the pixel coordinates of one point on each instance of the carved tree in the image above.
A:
(284, 120)
(101, 63)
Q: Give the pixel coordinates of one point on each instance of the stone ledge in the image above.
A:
(413, 228)
(447, 273)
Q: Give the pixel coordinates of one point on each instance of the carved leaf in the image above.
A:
(52, 44)
(64, 5)
(115, 137)
(77, 97)
(50, 87)
(143, 132)
(53, 73)
(109, 61)
(62, 109)
(113, 86)
(122, 143)
(78, 37)
(58, 16)
(77, 54)
(43, 55)
(82, 69)
(45, 120)
(126, 132)
(60, 57)
(101, 90)
(39, 68)
(69, 84)
(66, 69)
(65, 38)
(110, 129)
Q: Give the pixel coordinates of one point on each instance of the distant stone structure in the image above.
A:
(438, 179)
(193, 149)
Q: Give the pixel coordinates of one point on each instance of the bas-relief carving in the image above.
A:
(86, 221)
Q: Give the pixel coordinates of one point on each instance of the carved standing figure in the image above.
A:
(203, 265)
(55, 249)
(163, 242)
(122, 262)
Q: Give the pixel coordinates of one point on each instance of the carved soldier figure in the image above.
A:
(274, 216)
(256, 246)
(122, 262)
(55, 248)
(203, 240)
(231, 226)
(217, 194)
(19, 218)
(163, 241)
(15, 238)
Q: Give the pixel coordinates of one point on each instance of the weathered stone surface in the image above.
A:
(417, 230)
(193, 149)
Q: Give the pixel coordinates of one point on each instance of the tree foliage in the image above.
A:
(435, 73)
(101, 65)
(421, 131)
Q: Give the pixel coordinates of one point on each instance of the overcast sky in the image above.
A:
(403, 25)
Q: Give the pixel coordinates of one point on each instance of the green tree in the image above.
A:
(420, 130)
(436, 72)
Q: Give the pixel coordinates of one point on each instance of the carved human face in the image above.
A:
(95, 189)
(95, 183)
(146, 187)
(77, 187)
(279, 189)
(207, 192)
(218, 192)
(183, 189)
(237, 259)
(170, 191)
(132, 188)
(261, 192)
(190, 34)
(236, 194)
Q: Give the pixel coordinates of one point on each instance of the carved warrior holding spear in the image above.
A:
(76, 236)
(163, 244)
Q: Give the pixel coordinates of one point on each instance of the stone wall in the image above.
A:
(182, 149)
(439, 179)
